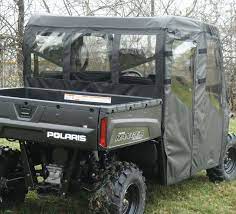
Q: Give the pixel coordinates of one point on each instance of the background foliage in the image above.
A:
(196, 195)
(15, 13)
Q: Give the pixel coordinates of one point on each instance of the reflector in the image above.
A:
(103, 133)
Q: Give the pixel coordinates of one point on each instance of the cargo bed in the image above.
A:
(29, 113)
(64, 96)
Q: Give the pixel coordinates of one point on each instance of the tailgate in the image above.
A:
(133, 123)
(48, 121)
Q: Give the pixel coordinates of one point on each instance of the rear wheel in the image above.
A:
(122, 192)
(11, 193)
(227, 169)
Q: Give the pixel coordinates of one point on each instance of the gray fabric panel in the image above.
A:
(208, 136)
(225, 107)
(173, 23)
(177, 138)
(208, 121)
(187, 154)
(199, 133)
(178, 125)
(213, 124)
(201, 58)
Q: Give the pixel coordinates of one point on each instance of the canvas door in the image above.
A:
(208, 114)
(179, 109)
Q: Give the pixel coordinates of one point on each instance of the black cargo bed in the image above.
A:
(70, 96)
(30, 113)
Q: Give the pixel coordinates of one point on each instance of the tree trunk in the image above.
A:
(20, 35)
(152, 7)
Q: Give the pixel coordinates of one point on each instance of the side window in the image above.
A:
(213, 75)
(137, 56)
(183, 70)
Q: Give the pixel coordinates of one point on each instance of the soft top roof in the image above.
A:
(173, 23)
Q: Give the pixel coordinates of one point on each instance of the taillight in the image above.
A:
(103, 133)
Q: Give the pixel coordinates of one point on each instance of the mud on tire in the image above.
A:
(123, 191)
(226, 171)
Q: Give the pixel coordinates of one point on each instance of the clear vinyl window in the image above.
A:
(213, 75)
(88, 56)
(47, 53)
(91, 52)
(137, 56)
(182, 70)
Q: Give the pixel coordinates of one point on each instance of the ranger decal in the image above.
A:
(127, 135)
(135, 135)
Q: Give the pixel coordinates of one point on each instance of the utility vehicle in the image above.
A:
(108, 99)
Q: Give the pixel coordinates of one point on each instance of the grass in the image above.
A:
(195, 195)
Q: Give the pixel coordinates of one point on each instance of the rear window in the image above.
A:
(47, 53)
(137, 55)
(88, 56)
(91, 52)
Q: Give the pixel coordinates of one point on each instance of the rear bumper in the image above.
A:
(84, 138)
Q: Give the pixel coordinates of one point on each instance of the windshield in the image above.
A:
(92, 52)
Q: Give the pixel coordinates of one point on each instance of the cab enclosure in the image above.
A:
(150, 91)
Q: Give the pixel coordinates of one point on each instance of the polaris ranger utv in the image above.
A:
(105, 98)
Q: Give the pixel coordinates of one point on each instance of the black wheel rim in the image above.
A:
(131, 200)
(230, 161)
